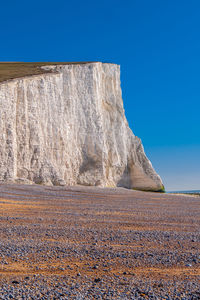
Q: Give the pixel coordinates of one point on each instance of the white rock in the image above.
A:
(69, 127)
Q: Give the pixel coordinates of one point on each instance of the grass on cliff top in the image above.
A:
(12, 70)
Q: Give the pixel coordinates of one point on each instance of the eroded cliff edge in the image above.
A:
(69, 127)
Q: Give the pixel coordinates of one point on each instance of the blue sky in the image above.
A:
(157, 44)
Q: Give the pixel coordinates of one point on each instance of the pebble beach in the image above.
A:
(95, 243)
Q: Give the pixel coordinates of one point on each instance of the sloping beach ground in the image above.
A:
(92, 243)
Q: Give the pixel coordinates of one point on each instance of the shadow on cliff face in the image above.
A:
(88, 165)
(91, 168)
(125, 180)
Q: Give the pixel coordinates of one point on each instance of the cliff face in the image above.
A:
(69, 127)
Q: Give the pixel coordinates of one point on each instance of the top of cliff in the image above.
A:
(12, 70)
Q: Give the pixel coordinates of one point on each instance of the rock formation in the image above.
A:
(69, 127)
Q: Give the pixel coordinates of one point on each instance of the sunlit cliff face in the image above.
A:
(68, 127)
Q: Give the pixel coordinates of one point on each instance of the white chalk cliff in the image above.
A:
(69, 127)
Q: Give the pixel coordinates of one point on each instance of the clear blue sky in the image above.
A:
(157, 44)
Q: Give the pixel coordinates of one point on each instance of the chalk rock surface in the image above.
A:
(69, 127)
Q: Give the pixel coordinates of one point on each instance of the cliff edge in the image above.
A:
(68, 126)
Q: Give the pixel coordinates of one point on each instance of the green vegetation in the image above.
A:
(162, 190)
(12, 70)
